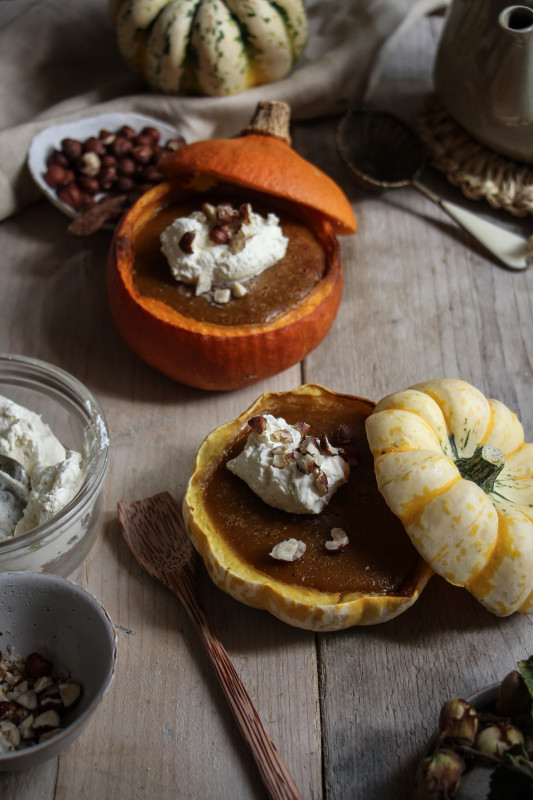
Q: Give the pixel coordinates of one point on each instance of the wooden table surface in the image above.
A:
(349, 711)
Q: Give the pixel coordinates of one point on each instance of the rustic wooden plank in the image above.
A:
(165, 718)
(38, 783)
(421, 300)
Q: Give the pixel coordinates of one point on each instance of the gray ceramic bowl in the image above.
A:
(75, 417)
(44, 613)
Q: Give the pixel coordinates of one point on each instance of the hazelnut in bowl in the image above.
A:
(284, 508)
(57, 661)
(54, 455)
(230, 270)
(99, 163)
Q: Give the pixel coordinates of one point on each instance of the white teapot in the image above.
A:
(483, 73)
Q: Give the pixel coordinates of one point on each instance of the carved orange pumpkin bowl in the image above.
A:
(378, 576)
(260, 163)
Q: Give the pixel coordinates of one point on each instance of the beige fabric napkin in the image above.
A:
(59, 61)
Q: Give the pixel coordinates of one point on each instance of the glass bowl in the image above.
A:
(60, 544)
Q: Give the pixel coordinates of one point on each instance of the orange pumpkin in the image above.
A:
(262, 158)
(215, 356)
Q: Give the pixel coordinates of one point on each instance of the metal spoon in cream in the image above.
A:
(15, 486)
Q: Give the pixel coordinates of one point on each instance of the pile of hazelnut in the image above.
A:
(112, 163)
(33, 700)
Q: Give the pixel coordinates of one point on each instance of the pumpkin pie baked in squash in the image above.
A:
(338, 556)
(230, 271)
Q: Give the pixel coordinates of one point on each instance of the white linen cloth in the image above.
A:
(59, 61)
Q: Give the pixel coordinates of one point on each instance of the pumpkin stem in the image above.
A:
(271, 118)
(483, 467)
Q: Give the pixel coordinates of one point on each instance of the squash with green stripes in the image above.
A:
(454, 467)
(210, 47)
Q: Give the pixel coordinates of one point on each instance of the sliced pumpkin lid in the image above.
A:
(454, 467)
(261, 158)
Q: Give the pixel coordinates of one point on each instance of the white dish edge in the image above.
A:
(50, 138)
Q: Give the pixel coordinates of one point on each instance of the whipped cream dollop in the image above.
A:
(221, 246)
(56, 474)
(287, 467)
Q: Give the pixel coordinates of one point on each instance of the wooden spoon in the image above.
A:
(156, 535)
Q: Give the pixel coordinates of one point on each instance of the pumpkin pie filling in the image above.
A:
(379, 555)
(269, 295)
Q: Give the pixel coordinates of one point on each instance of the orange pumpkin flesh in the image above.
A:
(225, 357)
(379, 575)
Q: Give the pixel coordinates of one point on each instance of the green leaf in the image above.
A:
(520, 760)
(526, 670)
(506, 784)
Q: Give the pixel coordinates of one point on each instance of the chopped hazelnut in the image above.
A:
(47, 720)
(238, 290)
(245, 211)
(339, 540)
(288, 550)
(37, 666)
(309, 445)
(203, 284)
(237, 242)
(321, 483)
(326, 447)
(185, 243)
(70, 692)
(302, 427)
(258, 424)
(281, 436)
(210, 212)
(34, 700)
(220, 235)
(306, 464)
(221, 295)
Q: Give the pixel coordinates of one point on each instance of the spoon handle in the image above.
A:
(276, 778)
(510, 249)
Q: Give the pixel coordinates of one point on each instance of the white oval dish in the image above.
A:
(49, 139)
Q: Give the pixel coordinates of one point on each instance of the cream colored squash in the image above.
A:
(454, 467)
(212, 47)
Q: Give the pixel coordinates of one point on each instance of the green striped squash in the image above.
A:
(210, 47)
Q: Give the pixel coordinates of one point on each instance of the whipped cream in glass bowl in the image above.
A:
(53, 425)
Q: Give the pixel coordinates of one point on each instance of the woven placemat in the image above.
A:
(479, 172)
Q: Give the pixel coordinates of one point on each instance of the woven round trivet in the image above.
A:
(479, 172)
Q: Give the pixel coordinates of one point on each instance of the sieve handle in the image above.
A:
(511, 249)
